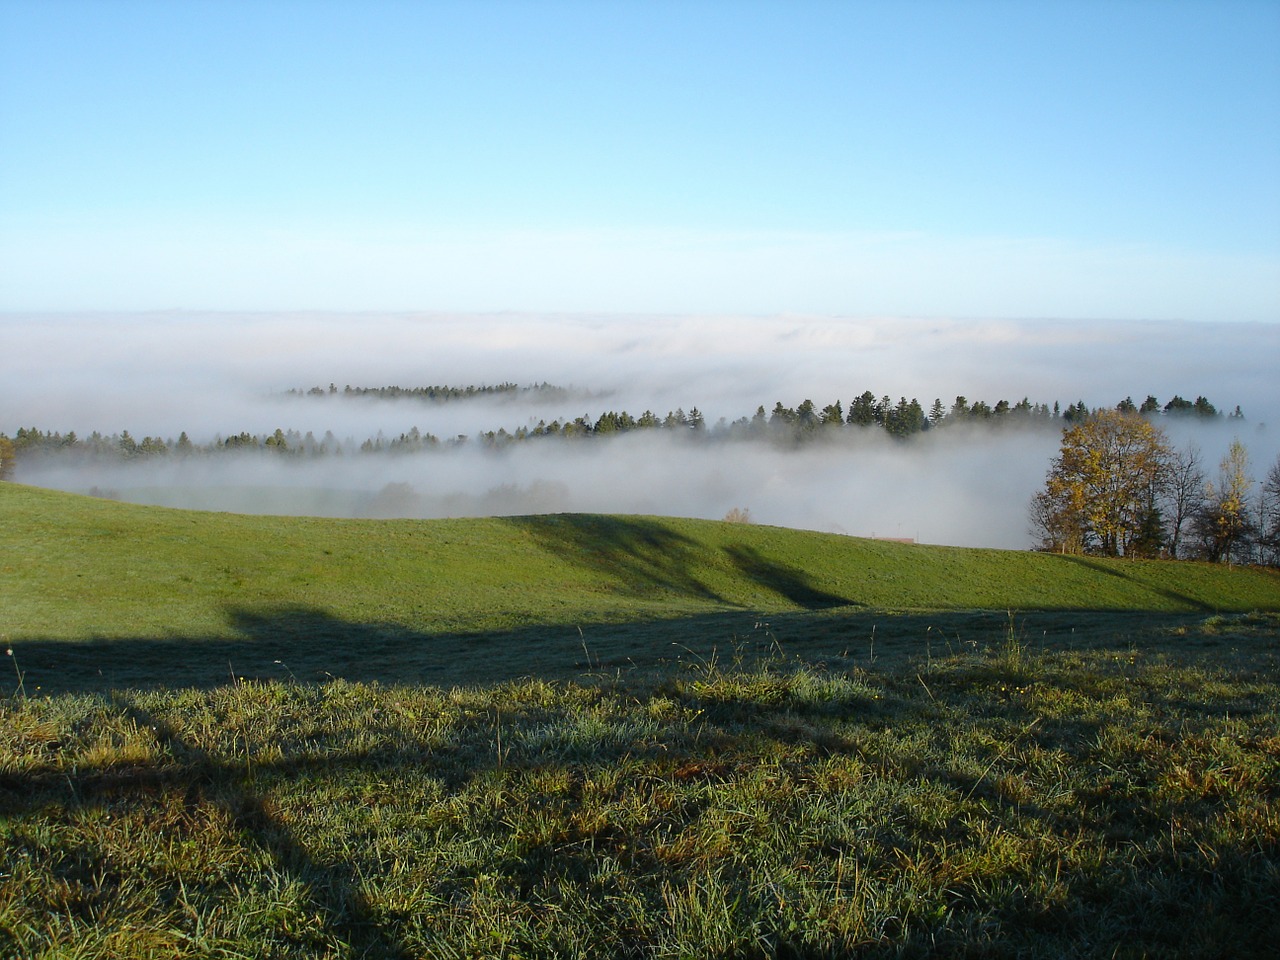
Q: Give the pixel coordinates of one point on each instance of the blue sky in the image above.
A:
(1093, 160)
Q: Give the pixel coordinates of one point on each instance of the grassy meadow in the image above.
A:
(573, 736)
(100, 594)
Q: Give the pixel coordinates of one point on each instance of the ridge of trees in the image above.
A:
(902, 418)
(1117, 487)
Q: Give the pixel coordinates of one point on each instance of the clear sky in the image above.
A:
(997, 159)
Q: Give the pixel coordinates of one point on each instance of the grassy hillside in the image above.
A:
(456, 600)
(772, 743)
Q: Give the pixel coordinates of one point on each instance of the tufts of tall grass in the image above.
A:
(1003, 800)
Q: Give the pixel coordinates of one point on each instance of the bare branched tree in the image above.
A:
(1269, 517)
(1183, 494)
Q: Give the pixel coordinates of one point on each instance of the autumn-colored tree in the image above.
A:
(6, 457)
(1101, 493)
(1225, 526)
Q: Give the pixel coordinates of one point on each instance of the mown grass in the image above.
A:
(998, 801)
(99, 594)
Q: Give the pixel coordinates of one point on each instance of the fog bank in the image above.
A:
(214, 375)
(957, 487)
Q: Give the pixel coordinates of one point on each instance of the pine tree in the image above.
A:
(862, 411)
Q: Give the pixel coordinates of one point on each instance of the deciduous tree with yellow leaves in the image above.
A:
(1102, 491)
(6, 457)
(1226, 525)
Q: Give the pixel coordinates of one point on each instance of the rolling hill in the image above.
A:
(621, 736)
(99, 593)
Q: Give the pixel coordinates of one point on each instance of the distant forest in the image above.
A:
(782, 425)
(1117, 488)
(436, 394)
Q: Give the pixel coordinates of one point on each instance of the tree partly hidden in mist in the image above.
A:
(7, 451)
(1102, 494)
(1225, 525)
(1269, 517)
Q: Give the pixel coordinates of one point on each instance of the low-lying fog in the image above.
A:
(221, 374)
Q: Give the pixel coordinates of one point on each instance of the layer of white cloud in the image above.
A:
(220, 374)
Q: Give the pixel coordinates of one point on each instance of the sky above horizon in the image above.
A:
(968, 159)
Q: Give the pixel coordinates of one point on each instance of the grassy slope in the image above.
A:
(1002, 797)
(339, 595)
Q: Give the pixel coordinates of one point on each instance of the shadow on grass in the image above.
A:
(312, 646)
(201, 779)
(790, 583)
(643, 556)
(1105, 805)
(1111, 570)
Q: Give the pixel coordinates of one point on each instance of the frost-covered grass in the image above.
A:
(1002, 800)
(577, 736)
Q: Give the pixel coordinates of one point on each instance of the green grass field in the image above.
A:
(578, 736)
(99, 594)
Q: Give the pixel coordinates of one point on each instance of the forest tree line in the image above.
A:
(433, 394)
(1117, 487)
(788, 425)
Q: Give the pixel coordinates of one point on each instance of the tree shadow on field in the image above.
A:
(1110, 570)
(307, 645)
(202, 780)
(790, 583)
(355, 902)
(297, 643)
(643, 556)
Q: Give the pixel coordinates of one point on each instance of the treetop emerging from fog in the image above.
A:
(804, 422)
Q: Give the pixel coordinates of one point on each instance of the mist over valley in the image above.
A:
(214, 376)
